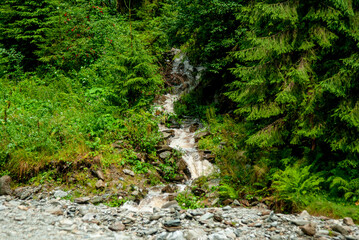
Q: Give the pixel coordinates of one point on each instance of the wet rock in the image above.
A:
(340, 229)
(5, 188)
(100, 184)
(117, 226)
(82, 200)
(309, 229)
(128, 172)
(348, 221)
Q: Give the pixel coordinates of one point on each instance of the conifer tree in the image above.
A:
(21, 27)
(296, 85)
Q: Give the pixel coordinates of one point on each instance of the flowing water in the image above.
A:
(183, 139)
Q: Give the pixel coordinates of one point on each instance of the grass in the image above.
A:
(320, 206)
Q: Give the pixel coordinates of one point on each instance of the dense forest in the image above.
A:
(279, 95)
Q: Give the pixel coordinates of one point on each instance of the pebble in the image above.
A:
(38, 219)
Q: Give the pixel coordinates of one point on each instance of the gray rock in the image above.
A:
(97, 199)
(170, 204)
(276, 237)
(218, 236)
(128, 172)
(227, 208)
(196, 234)
(5, 188)
(304, 214)
(236, 203)
(151, 231)
(172, 223)
(162, 236)
(300, 222)
(117, 226)
(206, 216)
(309, 229)
(82, 200)
(348, 221)
(60, 194)
(121, 236)
(155, 217)
(338, 228)
(26, 194)
(177, 235)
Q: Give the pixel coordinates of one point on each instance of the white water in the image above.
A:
(183, 140)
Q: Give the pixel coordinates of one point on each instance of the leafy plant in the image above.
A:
(294, 183)
(189, 201)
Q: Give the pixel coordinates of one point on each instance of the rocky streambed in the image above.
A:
(55, 218)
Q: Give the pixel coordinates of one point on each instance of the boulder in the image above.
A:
(348, 221)
(5, 188)
(309, 229)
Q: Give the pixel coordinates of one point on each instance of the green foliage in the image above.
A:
(189, 201)
(227, 191)
(294, 183)
(116, 202)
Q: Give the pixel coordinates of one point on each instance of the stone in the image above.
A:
(117, 226)
(60, 194)
(304, 214)
(170, 204)
(196, 234)
(218, 236)
(97, 199)
(177, 235)
(236, 203)
(100, 184)
(26, 194)
(309, 229)
(121, 236)
(340, 229)
(82, 200)
(348, 221)
(164, 155)
(128, 172)
(5, 188)
(227, 208)
(155, 217)
(206, 216)
(172, 223)
(99, 174)
(300, 222)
